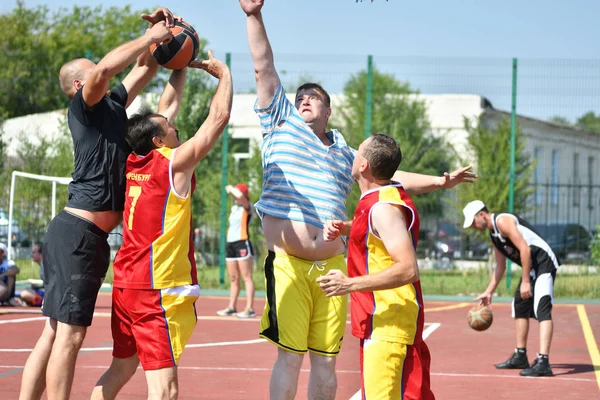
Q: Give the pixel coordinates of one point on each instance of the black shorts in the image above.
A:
(239, 250)
(76, 258)
(539, 305)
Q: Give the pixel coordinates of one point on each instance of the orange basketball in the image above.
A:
(182, 49)
(480, 318)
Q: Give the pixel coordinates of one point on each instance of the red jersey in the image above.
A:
(158, 247)
(394, 315)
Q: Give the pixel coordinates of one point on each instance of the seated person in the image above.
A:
(33, 296)
(8, 274)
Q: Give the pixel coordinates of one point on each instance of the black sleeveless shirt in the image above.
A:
(100, 152)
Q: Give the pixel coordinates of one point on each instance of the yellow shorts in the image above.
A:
(298, 316)
(395, 371)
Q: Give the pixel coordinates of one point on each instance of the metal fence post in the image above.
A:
(513, 142)
(369, 99)
(224, 171)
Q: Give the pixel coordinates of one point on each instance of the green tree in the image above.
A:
(595, 247)
(36, 43)
(490, 152)
(33, 198)
(589, 121)
(397, 111)
(557, 119)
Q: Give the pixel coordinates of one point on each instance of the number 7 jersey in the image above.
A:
(158, 247)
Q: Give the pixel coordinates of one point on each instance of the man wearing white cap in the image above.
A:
(515, 239)
(8, 274)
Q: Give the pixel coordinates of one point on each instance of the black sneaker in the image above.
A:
(540, 367)
(516, 361)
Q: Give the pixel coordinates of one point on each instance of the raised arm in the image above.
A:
(419, 183)
(266, 76)
(238, 196)
(192, 151)
(118, 59)
(170, 99)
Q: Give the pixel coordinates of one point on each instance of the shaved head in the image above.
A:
(77, 69)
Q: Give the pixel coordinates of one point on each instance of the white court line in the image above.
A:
(350, 372)
(16, 321)
(107, 314)
(89, 349)
(430, 329)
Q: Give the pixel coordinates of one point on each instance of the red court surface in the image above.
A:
(225, 359)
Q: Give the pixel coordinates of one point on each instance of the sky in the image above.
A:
(335, 34)
(459, 28)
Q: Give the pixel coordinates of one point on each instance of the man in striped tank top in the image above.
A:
(383, 278)
(307, 176)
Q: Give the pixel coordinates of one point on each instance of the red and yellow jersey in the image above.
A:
(394, 315)
(158, 247)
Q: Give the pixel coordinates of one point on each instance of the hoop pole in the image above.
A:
(53, 198)
(10, 213)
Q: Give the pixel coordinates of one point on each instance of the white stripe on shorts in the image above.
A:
(544, 286)
(186, 290)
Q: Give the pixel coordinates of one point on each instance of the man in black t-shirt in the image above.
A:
(76, 251)
(515, 239)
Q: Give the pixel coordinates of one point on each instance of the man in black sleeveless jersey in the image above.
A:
(515, 239)
(76, 251)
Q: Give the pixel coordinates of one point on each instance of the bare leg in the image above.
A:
(162, 383)
(284, 378)
(4, 292)
(322, 383)
(118, 374)
(245, 267)
(546, 330)
(33, 381)
(234, 277)
(522, 330)
(61, 365)
(27, 296)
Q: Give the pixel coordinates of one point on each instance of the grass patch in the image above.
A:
(583, 285)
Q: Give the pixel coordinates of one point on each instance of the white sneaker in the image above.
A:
(228, 312)
(247, 313)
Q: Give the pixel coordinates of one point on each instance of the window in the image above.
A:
(537, 176)
(590, 174)
(554, 189)
(240, 145)
(576, 181)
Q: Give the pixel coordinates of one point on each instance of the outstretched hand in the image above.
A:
(159, 33)
(213, 66)
(462, 175)
(162, 14)
(252, 7)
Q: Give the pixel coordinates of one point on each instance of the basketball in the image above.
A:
(480, 318)
(182, 49)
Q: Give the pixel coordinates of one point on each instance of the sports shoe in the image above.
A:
(16, 302)
(228, 312)
(516, 361)
(247, 313)
(540, 367)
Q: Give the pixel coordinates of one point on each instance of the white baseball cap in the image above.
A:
(3, 247)
(470, 211)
